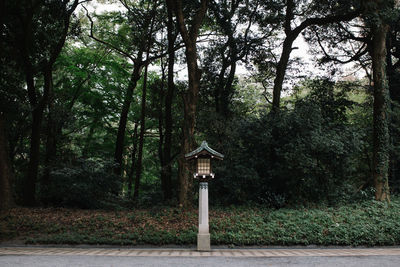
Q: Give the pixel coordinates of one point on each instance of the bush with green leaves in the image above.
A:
(308, 152)
(86, 183)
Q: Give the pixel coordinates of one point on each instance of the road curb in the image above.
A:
(129, 252)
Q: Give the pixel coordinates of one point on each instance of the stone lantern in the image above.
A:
(203, 156)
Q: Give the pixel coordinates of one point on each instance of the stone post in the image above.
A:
(203, 237)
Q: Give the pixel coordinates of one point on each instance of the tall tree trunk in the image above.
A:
(141, 137)
(381, 108)
(34, 155)
(119, 145)
(143, 108)
(160, 128)
(167, 159)
(29, 188)
(190, 97)
(6, 173)
(50, 142)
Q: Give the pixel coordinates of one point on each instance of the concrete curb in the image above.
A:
(160, 252)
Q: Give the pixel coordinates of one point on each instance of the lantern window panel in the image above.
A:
(203, 166)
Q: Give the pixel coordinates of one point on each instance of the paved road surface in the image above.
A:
(36, 256)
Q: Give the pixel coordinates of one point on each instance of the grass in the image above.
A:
(368, 223)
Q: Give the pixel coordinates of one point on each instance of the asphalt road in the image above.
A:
(348, 261)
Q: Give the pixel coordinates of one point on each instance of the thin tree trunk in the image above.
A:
(133, 159)
(143, 110)
(29, 189)
(381, 108)
(141, 138)
(160, 127)
(34, 151)
(6, 173)
(119, 145)
(50, 142)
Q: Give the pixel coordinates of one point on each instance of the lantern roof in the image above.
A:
(204, 149)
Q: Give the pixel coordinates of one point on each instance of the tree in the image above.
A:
(376, 12)
(37, 31)
(233, 23)
(314, 15)
(166, 141)
(140, 20)
(6, 173)
(143, 105)
(8, 70)
(74, 69)
(129, 40)
(372, 40)
(370, 45)
(190, 97)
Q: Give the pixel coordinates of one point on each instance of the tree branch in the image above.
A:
(122, 52)
(361, 51)
(325, 20)
(198, 19)
(61, 41)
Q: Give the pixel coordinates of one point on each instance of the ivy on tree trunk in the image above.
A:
(381, 112)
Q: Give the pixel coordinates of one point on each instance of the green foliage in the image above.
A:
(307, 153)
(87, 183)
(368, 223)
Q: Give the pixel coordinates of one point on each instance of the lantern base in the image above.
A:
(203, 242)
(204, 177)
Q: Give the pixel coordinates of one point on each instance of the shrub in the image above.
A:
(309, 152)
(88, 183)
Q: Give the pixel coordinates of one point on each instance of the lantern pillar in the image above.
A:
(203, 237)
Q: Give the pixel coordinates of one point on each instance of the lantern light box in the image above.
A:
(203, 155)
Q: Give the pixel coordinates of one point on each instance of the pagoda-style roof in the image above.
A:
(204, 149)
